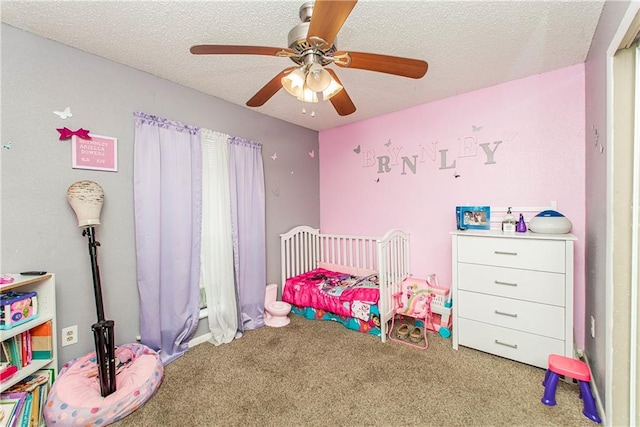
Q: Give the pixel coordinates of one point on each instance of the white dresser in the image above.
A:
(513, 294)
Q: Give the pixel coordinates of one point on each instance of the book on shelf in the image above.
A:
(5, 356)
(11, 408)
(18, 350)
(36, 385)
(7, 371)
(7, 411)
(26, 411)
(50, 373)
(42, 341)
(21, 349)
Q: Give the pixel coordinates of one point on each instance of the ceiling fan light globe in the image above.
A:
(307, 95)
(292, 89)
(293, 82)
(318, 79)
(333, 89)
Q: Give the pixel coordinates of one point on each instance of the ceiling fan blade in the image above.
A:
(341, 101)
(327, 19)
(405, 67)
(223, 49)
(268, 90)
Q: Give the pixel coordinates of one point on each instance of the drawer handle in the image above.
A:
(505, 253)
(506, 345)
(502, 313)
(498, 282)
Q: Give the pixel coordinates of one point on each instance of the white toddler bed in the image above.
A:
(307, 253)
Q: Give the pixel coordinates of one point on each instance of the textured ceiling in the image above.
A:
(468, 44)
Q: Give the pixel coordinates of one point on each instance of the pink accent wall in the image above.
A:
(533, 134)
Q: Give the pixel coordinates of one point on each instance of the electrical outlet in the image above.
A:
(70, 335)
(593, 327)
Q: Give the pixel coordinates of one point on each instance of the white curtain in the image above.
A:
(217, 276)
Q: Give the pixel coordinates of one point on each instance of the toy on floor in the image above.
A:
(418, 299)
(440, 307)
(570, 368)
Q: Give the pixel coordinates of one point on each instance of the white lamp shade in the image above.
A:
(293, 82)
(318, 79)
(333, 89)
(86, 199)
(307, 95)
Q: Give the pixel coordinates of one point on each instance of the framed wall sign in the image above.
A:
(98, 153)
(473, 217)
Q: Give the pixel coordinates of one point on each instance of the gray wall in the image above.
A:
(39, 228)
(597, 185)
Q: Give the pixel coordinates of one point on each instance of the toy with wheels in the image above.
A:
(414, 301)
(444, 332)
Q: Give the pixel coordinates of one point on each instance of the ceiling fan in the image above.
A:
(312, 46)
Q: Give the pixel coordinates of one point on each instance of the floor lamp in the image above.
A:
(86, 199)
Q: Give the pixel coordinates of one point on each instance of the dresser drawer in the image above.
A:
(516, 345)
(535, 318)
(528, 285)
(531, 254)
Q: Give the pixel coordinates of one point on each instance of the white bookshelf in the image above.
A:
(44, 286)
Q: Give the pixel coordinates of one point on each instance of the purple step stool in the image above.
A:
(570, 368)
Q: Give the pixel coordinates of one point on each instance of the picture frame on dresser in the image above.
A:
(473, 217)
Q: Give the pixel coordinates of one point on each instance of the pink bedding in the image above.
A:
(333, 291)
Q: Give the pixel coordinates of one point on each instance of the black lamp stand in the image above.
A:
(103, 329)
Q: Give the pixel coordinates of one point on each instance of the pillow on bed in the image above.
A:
(354, 271)
(367, 272)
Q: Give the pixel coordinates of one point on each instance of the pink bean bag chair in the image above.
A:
(75, 398)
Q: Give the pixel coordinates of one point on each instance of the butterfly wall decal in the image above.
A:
(275, 156)
(8, 145)
(64, 114)
(357, 150)
(476, 128)
(387, 143)
(312, 153)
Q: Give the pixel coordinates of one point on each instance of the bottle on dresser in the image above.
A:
(509, 222)
(521, 226)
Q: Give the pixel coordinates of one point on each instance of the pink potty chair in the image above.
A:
(275, 312)
(75, 398)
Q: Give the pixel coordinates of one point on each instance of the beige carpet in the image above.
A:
(318, 373)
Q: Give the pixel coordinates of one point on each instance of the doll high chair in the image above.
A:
(413, 300)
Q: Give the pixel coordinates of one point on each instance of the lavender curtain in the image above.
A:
(168, 209)
(246, 180)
